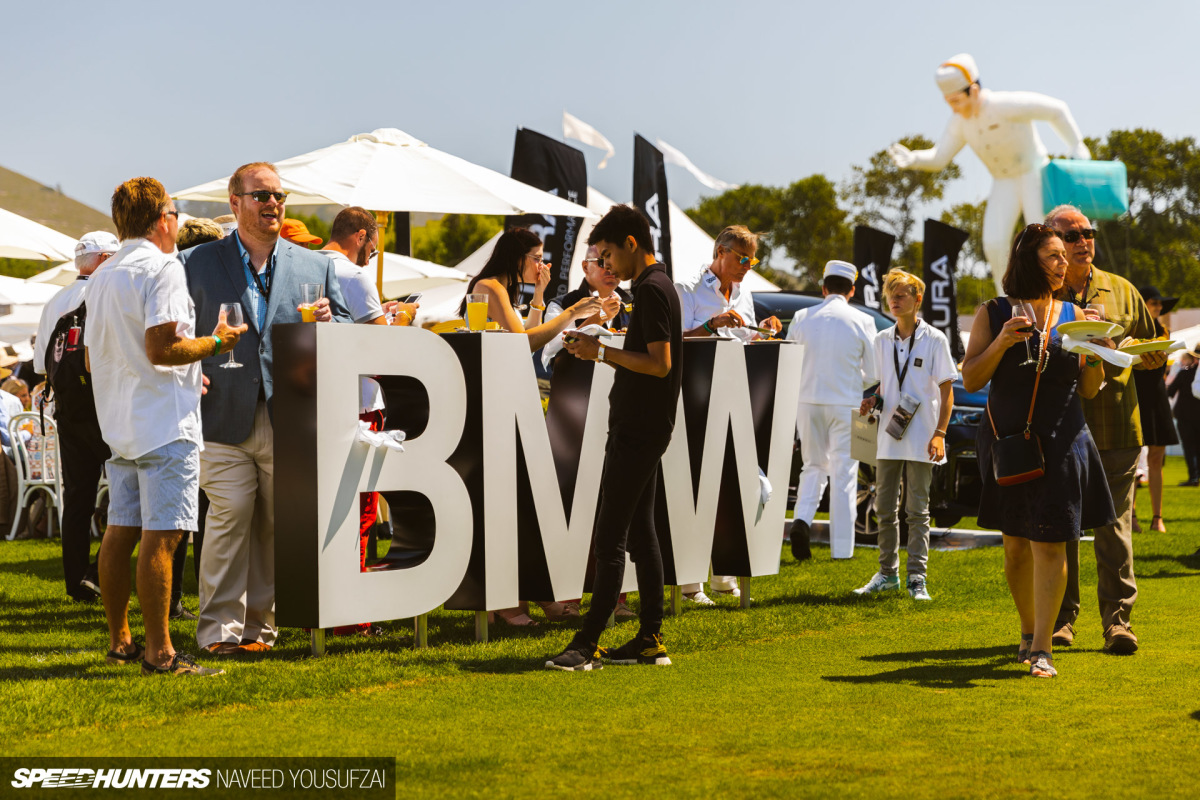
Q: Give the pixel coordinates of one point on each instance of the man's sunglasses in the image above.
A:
(743, 260)
(264, 196)
(1071, 237)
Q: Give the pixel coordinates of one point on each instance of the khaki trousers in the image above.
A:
(237, 565)
(1116, 587)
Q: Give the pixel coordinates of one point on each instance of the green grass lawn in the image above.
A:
(810, 692)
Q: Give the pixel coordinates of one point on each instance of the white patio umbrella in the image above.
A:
(24, 238)
(61, 275)
(21, 323)
(403, 275)
(387, 170)
(17, 292)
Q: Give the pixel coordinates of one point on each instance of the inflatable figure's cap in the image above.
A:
(956, 73)
(841, 269)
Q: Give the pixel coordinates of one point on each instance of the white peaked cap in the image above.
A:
(97, 242)
(842, 269)
(956, 73)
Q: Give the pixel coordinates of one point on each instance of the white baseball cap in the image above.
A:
(956, 73)
(97, 242)
(841, 269)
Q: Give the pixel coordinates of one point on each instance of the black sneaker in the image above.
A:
(119, 657)
(577, 658)
(648, 650)
(181, 664)
(800, 537)
(91, 584)
(179, 612)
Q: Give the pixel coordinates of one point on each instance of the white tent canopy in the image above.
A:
(21, 323)
(388, 170)
(24, 238)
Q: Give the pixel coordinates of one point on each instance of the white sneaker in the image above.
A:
(917, 589)
(880, 583)
(700, 598)
(734, 592)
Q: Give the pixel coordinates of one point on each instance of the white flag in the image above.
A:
(575, 128)
(673, 156)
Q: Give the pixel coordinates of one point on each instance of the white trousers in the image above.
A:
(824, 433)
(1008, 199)
(237, 565)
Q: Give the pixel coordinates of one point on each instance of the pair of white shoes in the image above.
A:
(917, 588)
(701, 599)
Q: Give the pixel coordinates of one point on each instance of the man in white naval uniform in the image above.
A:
(839, 363)
(999, 128)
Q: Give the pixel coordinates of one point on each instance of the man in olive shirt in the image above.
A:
(1112, 416)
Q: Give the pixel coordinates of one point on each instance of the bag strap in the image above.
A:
(1042, 356)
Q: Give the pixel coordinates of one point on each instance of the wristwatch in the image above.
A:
(600, 354)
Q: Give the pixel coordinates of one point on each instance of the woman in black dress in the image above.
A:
(1040, 516)
(1158, 430)
(1187, 413)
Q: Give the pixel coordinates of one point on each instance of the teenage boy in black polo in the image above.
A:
(642, 405)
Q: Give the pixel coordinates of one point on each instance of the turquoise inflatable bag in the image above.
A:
(1097, 188)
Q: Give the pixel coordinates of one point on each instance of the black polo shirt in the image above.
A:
(639, 404)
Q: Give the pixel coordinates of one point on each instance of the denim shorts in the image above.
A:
(158, 491)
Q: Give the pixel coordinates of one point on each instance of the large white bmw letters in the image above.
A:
(498, 525)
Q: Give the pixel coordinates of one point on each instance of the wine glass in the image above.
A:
(231, 313)
(1095, 311)
(1021, 311)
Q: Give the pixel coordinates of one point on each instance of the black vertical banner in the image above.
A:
(940, 308)
(872, 256)
(650, 195)
(561, 170)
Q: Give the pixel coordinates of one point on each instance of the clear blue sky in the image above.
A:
(753, 92)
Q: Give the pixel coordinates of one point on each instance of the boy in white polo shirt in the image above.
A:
(917, 374)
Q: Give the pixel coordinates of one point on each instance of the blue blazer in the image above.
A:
(216, 275)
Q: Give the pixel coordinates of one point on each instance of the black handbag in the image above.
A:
(1018, 458)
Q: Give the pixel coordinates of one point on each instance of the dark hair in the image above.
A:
(836, 284)
(1024, 278)
(137, 206)
(350, 221)
(508, 261)
(620, 223)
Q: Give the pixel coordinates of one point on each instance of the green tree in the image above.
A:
(756, 207)
(1158, 242)
(812, 227)
(889, 198)
(449, 240)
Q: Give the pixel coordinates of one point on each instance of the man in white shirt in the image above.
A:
(839, 363)
(713, 302)
(352, 242)
(917, 375)
(80, 444)
(143, 357)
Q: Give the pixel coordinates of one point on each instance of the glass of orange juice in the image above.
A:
(310, 293)
(477, 311)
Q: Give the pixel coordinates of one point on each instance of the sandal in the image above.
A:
(1041, 665)
(518, 620)
(116, 658)
(1160, 527)
(1023, 650)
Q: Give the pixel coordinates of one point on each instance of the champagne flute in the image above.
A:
(1021, 311)
(231, 313)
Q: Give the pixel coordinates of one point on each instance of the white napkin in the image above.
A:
(1114, 357)
(595, 330)
(393, 440)
(764, 493)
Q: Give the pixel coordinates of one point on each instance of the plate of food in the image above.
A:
(1135, 347)
(1090, 329)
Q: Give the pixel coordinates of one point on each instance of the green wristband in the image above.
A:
(707, 328)
(217, 351)
(1091, 361)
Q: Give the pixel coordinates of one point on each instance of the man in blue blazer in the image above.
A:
(262, 272)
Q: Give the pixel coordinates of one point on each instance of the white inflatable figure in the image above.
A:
(999, 128)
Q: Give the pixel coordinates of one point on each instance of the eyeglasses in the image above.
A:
(174, 214)
(743, 260)
(1071, 237)
(263, 196)
(538, 259)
